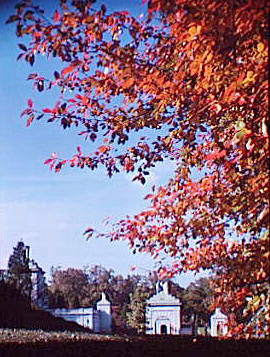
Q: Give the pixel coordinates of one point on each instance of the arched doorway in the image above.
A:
(162, 326)
(163, 330)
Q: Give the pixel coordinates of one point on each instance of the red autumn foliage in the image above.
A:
(197, 76)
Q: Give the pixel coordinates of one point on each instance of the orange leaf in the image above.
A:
(199, 29)
(192, 31)
(229, 90)
(194, 67)
(67, 70)
(207, 72)
(84, 100)
(260, 47)
(195, 30)
(103, 149)
(209, 57)
(128, 83)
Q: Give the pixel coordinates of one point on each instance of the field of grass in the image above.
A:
(37, 336)
(26, 332)
(38, 343)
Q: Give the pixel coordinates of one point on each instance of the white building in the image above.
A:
(84, 316)
(163, 312)
(97, 318)
(218, 323)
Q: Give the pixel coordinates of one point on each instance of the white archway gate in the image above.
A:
(162, 327)
(163, 312)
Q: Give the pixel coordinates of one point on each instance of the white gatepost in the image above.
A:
(104, 312)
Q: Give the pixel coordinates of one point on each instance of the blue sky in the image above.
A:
(50, 211)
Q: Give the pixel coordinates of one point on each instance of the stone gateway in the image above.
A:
(219, 323)
(163, 312)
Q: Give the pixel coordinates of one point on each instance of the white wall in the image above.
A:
(82, 316)
(163, 315)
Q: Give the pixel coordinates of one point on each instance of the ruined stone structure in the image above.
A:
(39, 296)
(39, 287)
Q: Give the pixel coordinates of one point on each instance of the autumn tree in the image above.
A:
(68, 287)
(100, 280)
(195, 76)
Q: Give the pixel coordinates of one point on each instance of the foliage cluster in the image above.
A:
(196, 75)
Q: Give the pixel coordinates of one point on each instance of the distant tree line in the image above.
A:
(71, 288)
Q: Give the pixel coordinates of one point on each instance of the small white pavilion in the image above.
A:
(163, 312)
(218, 323)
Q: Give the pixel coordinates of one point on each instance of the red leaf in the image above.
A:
(48, 161)
(88, 230)
(30, 119)
(30, 103)
(79, 149)
(47, 110)
(222, 153)
(56, 16)
(58, 167)
(37, 34)
(149, 196)
(124, 13)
